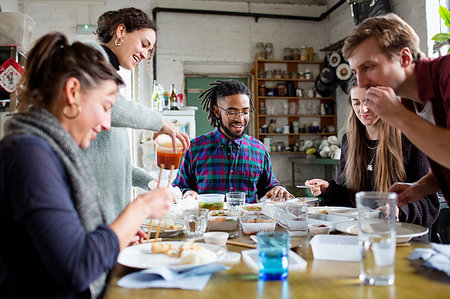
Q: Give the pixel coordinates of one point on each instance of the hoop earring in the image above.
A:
(118, 42)
(64, 112)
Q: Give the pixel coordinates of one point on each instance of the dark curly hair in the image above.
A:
(132, 18)
(51, 62)
(222, 89)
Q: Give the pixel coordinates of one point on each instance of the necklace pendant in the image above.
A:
(369, 167)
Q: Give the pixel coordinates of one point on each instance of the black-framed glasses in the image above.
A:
(233, 114)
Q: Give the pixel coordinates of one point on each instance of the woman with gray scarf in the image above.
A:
(50, 209)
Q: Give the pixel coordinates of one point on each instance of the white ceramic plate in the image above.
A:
(405, 231)
(163, 232)
(141, 256)
(340, 211)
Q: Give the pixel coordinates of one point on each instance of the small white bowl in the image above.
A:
(315, 229)
(216, 238)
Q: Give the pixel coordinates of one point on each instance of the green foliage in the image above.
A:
(442, 37)
(445, 15)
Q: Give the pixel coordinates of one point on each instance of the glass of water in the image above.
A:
(377, 236)
(235, 200)
(297, 220)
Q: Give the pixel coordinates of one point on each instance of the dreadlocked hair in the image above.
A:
(221, 89)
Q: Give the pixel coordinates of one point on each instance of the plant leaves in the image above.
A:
(445, 15)
(440, 37)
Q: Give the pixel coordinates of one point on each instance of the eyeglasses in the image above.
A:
(233, 115)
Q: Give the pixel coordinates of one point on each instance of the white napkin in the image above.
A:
(175, 192)
(436, 257)
(194, 278)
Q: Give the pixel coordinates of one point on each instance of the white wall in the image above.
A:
(9, 5)
(193, 43)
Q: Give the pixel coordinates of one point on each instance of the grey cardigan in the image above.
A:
(109, 154)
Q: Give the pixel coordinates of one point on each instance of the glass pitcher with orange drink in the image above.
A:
(165, 154)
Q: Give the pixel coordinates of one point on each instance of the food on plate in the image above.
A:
(259, 220)
(252, 208)
(188, 252)
(164, 248)
(219, 213)
(324, 212)
(166, 224)
(200, 256)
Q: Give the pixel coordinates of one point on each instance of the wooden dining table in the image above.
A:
(321, 279)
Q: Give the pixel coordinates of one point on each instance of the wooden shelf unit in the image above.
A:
(291, 66)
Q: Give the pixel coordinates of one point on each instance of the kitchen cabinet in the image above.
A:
(289, 100)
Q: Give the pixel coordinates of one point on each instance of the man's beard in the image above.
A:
(228, 132)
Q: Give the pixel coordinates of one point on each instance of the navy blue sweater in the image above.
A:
(45, 252)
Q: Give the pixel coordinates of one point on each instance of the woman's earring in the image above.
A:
(78, 107)
(118, 42)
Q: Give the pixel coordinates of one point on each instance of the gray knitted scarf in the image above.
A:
(84, 191)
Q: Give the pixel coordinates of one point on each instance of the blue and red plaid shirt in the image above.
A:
(216, 164)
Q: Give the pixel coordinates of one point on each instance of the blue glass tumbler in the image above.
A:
(273, 251)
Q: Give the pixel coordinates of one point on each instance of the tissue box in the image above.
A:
(336, 248)
(15, 29)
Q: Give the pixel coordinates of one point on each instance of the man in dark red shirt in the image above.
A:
(384, 53)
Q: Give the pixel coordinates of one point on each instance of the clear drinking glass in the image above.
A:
(273, 250)
(195, 222)
(377, 236)
(235, 200)
(297, 220)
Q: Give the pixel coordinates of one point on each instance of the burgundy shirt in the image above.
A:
(433, 78)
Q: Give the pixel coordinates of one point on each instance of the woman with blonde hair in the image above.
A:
(374, 156)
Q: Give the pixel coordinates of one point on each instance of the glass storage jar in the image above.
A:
(260, 51)
(269, 51)
(303, 53)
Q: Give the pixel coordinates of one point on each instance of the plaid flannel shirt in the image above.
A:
(216, 164)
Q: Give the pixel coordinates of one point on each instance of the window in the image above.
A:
(435, 25)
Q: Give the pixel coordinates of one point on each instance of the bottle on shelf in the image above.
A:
(158, 99)
(272, 126)
(156, 102)
(173, 98)
(166, 100)
(154, 96)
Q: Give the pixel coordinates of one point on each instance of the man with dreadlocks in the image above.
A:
(226, 159)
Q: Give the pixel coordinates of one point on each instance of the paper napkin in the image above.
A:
(436, 257)
(194, 278)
